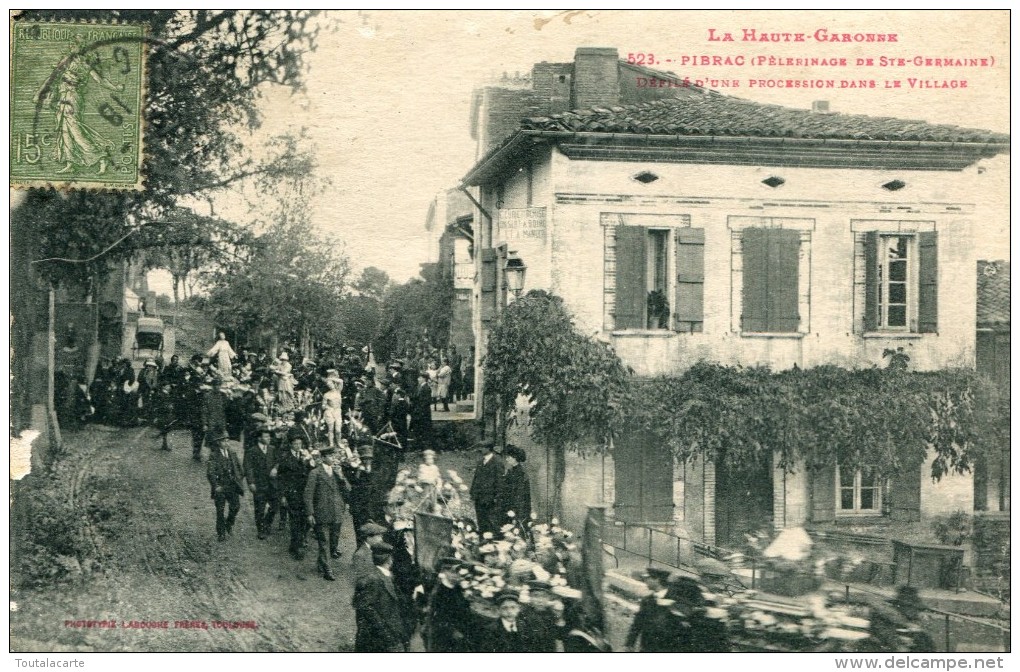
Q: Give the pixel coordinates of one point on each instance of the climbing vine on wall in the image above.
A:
(887, 418)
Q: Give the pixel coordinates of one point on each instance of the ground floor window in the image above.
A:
(859, 492)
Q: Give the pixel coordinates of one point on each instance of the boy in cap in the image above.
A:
(507, 633)
(380, 626)
(370, 534)
(654, 625)
(226, 481)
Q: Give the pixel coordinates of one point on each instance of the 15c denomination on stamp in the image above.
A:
(77, 94)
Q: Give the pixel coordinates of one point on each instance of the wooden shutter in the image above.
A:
(783, 286)
(754, 315)
(489, 295)
(690, 279)
(905, 494)
(927, 303)
(627, 480)
(871, 288)
(823, 494)
(631, 277)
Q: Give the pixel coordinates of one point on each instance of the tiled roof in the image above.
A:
(717, 115)
(992, 293)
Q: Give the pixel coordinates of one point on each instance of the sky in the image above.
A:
(387, 98)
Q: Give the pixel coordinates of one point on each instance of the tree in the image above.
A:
(417, 311)
(372, 283)
(190, 242)
(575, 385)
(206, 73)
(288, 281)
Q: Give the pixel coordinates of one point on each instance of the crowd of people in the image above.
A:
(309, 444)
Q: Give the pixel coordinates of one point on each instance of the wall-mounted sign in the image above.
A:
(522, 224)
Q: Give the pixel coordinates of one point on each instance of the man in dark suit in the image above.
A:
(374, 405)
(325, 495)
(421, 413)
(485, 488)
(292, 476)
(514, 489)
(380, 626)
(654, 626)
(226, 481)
(260, 465)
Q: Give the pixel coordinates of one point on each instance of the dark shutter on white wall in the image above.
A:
(783, 285)
(489, 295)
(631, 277)
(928, 298)
(689, 311)
(823, 494)
(871, 286)
(754, 316)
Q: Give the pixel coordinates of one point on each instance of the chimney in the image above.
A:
(820, 107)
(596, 77)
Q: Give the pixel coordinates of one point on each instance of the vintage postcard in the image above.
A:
(511, 331)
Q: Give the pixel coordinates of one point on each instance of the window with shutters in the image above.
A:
(896, 274)
(771, 274)
(859, 492)
(654, 273)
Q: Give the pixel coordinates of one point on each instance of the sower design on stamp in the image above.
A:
(77, 94)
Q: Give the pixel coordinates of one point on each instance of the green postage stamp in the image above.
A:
(77, 93)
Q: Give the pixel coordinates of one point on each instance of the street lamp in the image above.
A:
(515, 270)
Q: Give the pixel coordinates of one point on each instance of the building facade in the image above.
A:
(705, 227)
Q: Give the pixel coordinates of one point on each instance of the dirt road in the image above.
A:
(163, 564)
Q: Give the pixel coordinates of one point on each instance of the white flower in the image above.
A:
(463, 488)
(554, 521)
(534, 516)
(487, 535)
(510, 514)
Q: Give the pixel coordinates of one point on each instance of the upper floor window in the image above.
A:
(771, 274)
(899, 282)
(654, 272)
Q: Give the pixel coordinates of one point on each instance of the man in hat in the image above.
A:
(292, 476)
(325, 495)
(332, 407)
(400, 408)
(514, 488)
(373, 404)
(369, 534)
(260, 470)
(654, 628)
(214, 415)
(485, 488)
(421, 413)
(226, 481)
(380, 626)
(450, 624)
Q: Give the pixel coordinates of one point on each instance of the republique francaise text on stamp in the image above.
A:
(77, 91)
